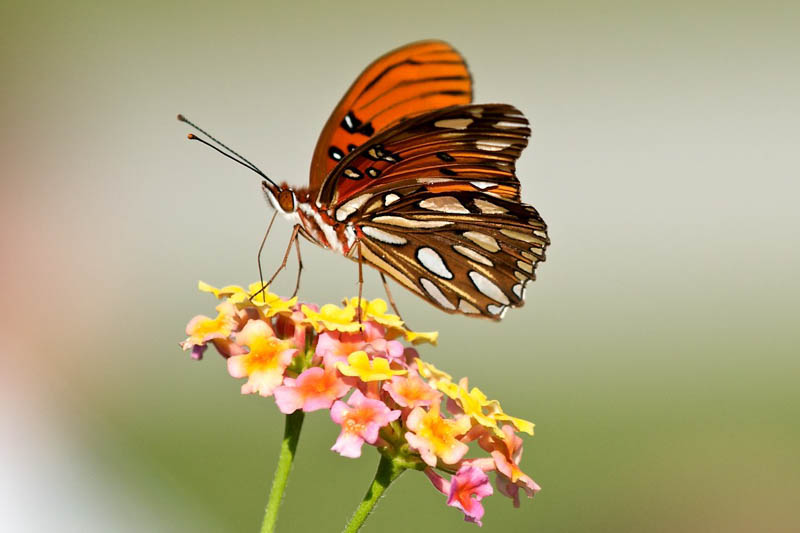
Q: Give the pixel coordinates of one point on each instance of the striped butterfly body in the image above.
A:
(411, 179)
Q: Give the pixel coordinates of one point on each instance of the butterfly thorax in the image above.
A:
(319, 227)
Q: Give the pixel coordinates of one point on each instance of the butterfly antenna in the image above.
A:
(239, 158)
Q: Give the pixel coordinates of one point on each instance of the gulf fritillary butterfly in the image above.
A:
(410, 178)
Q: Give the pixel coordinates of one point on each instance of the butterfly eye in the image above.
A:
(286, 200)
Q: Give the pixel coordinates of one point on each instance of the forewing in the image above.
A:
(436, 203)
(468, 148)
(410, 80)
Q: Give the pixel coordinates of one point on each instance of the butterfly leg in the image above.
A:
(281, 267)
(299, 267)
(258, 258)
(389, 296)
(360, 283)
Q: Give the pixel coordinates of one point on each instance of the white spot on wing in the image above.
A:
(518, 235)
(383, 236)
(351, 206)
(466, 307)
(482, 184)
(505, 124)
(390, 198)
(487, 242)
(472, 254)
(488, 288)
(444, 204)
(430, 259)
(489, 208)
(454, 123)
(497, 309)
(492, 145)
(527, 267)
(408, 223)
(519, 290)
(435, 293)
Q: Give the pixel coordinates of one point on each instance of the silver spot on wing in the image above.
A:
(487, 242)
(383, 236)
(435, 293)
(518, 235)
(444, 204)
(454, 123)
(527, 267)
(492, 145)
(392, 220)
(488, 288)
(472, 254)
(433, 262)
(488, 208)
(351, 206)
(499, 310)
(466, 307)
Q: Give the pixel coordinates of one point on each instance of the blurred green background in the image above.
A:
(658, 352)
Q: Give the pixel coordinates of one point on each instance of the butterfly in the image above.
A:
(412, 179)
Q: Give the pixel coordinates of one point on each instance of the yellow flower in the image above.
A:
(273, 303)
(359, 364)
(472, 402)
(265, 361)
(488, 413)
(419, 337)
(270, 304)
(224, 292)
(432, 374)
(433, 436)
(202, 329)
(332, 318)
(376, 310)
(497, 413)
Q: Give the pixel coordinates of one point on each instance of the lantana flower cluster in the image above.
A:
(376, 388)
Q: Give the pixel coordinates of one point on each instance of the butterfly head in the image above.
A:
(281, 197)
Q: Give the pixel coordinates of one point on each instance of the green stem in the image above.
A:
(388, 471)
(291, 434)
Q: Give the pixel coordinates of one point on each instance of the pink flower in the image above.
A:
(506, 454)
(361, 418)
(377, 344)
(334, 346)
(202, 329)
(507, 488)
(411, 392)
(467, 488)
(434, 436)
(264, 363)
(314, 389)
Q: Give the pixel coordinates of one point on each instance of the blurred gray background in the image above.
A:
(657, 352)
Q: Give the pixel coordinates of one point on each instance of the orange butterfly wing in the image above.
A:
(410, 80)
(436, 202)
